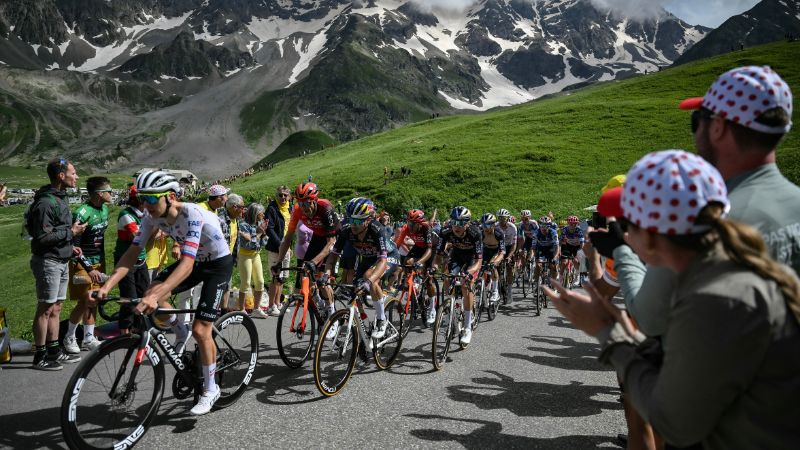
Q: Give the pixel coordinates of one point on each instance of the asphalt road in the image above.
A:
(524, 382)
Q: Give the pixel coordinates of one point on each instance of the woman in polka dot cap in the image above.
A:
(727, 370)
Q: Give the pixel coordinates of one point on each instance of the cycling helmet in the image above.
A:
(562, 223)
(306, 192)
(156, 182)
(572, 220)
(503, 213)
(363, 208)
(488, 219)
(544, 220)
(513, 219)
(416, 216)
(525, 213)
(460, 213)
(348, 210)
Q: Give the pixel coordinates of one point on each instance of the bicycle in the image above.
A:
(412, 299)
(115, 392)
(505, 286)
(449, 320)
(484, 280)
(540, 299)
(570, 274)
(296, 335)
(335, 357)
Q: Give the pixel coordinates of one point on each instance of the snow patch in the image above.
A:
(308, 53)
(273, 28)
(232, 72)
(168, 77)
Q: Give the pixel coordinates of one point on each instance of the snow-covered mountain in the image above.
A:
(346, 67)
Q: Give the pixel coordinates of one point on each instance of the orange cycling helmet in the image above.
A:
(306, 192)
(416, 216)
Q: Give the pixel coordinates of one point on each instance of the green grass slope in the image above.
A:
(296, 143)
(552, 154)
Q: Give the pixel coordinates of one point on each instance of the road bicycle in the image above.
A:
(449, 320)
(571, 273)
(412, 298)
(301, 319)
(483, 294)
(540, 298)
(347, 335)
(505, 287)
(115, 392)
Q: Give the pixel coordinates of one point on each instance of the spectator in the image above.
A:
(157, 254)
(731, 351)
(137, 280)
(278, 213)
(3, 192)
(252, 238)
(88, 271)
(52, 230)
(229, 221)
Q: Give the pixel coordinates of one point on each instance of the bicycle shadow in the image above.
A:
(413, 361)
(534, 399)
(570, 355)
(489, 435)
(32, 429)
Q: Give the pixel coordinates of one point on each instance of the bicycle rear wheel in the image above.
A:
(388, 347)
(524, 280)
(442, 333)
(492, 306)
(335, 357)
(109, 401)
(537, 295)
(295, 342)
(478, 303)
(237, 354)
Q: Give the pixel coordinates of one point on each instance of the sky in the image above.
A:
(710, 13)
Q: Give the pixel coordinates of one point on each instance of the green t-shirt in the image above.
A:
(92, 240)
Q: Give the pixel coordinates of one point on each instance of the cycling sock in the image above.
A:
(173, 319)
(432, 302)
(180, 330)
(379, 313)
(209, 384)
(331, 309)
(53, 348)
(71, 327)
(88, 330)
(467, 319)
(41, 351)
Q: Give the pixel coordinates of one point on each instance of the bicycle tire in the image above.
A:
(442, 334)
(537, 295)
(477, 305)
(386, 354)
(492, 306)
(85, 379)
(295, 347)
(237, 355)
(524, 279)
(335, 358)
(407, 319)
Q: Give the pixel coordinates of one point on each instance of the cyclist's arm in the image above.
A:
(286, 242)
(181, 272)
(124, 265)
(325, 250)
(425, 256)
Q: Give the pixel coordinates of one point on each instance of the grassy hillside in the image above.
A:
(296, 143)
(552, 154)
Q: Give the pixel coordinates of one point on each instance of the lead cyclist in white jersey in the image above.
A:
(205, 257)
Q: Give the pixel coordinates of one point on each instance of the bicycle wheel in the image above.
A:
(442, 333)
(294, 342)
(336, 356)
(537, 295)
(477, 304)
(399, 303)
(523, 275)
(492, 306)
(237, 354)
(388, 347)
(109, 401)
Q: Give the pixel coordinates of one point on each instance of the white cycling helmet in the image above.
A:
(460, 213)
(525, 213)
(503, 213)
(156, 182)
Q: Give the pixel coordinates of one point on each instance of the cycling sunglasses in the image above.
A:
(304, 204)
(487, 225)
(697, 116)
(151, 199)
(459, 223)
(357, 221)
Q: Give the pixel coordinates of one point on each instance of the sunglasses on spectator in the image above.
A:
(151, 199)
(283, 195)
(697, 115)
(459, 223)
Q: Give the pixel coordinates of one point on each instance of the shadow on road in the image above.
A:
(489, 435)
(534, 399)
(33, 429)
(571, 355)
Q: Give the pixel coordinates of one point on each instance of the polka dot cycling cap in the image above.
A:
(666, 190)
(741, 95)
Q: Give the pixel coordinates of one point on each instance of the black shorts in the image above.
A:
(528, 244)
(133, 285)
(418, 252)
(215, 276)
(549, 253)
(458, 263)
(349, 256)
(488, 254)
(508, 250)
(315, 247)
(569, 251)
(364, 264)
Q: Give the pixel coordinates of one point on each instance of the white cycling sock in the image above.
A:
(467, 319)
(379, 313)
(71, 329)
(432, 302)
(88, 330)
(209, 384)
(331, 309)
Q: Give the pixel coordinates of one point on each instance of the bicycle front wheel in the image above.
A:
(478, 303)
(492, 306)
(237, 354)
(295, 339)
(442, 333)
(388, 347)
(336, 353)
(537, 295)
(110, 400)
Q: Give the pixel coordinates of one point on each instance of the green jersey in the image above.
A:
(92, 240)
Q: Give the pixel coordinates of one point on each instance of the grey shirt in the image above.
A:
(730, 376)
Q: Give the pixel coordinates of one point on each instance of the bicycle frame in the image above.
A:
(305, 291)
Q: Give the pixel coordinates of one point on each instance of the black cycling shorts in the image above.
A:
(489, 253)
(364, 264)
(315, 247)
(418, 252)
(528, 244)
(549, 253)
(215, 276)
(458, 263)
(569, 251)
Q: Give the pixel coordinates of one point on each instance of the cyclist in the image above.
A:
(546, 245)
(319, 215)
(205, 257)
(466, 255)
(526, 230)
(571, 241)
(419, 230)
(494, 249)
(510, 236)
(367, 238)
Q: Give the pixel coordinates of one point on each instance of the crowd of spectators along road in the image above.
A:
(704, 249)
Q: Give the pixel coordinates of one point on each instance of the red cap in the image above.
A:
(691, 103)
(610, 203)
